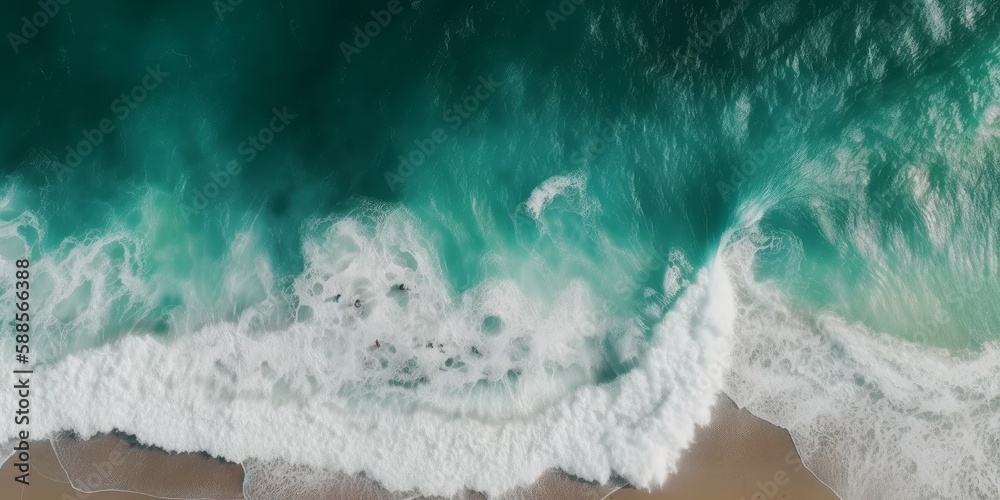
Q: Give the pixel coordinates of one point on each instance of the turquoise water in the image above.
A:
(573, 200)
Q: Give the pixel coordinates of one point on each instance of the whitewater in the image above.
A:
(802, 216)
(508, 374)
(409, 415)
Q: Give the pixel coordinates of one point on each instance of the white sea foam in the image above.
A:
(102, 285)
(542, 195)
(490, 406)
(873, 416)
(63, 283)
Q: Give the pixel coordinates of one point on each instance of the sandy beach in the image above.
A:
(737, 456)
(112, 467)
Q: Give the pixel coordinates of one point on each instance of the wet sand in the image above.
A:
(110, 464)
(737, 457)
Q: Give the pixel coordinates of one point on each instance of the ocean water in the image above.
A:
(602, 225)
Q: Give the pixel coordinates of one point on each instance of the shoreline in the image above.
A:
(737, 456)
